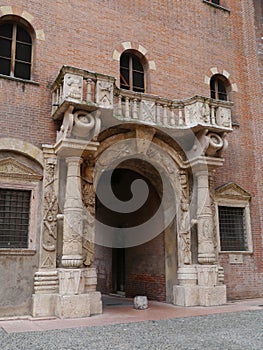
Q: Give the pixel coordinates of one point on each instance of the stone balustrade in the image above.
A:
(90, 91)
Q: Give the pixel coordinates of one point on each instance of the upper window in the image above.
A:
(219, 87)
(15, 50)
(131, 73)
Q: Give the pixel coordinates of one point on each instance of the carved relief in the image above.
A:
(104, 94)
(88, 195)
(148, 111)
(10, 167)
(223, 117)
(184, 243)
(50, 211)
(79, 125)
(73, 86)
(196, 113)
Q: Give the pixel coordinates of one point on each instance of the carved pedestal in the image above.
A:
(77, 293)
(200, 285)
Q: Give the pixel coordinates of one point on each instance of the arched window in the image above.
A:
(131, 73)
(15, 50)
(219, 87)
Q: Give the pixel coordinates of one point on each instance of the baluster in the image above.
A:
(54, 101)
(172, 120)
(141, 110)
(213, 117)
(119, 108)
(135, 109)
(89, 83)
(181, 121)
(158, 117)
(127, 108)
(60, 94)
(165, 117)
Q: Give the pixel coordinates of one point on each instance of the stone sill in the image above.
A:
(247, 252)
(216, 6)
(9, 251)
(24, 81)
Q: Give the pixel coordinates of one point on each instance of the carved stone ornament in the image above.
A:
(198, 112)
(184, 239)
(50, 211)
(73, 85)
(88, 195)
(223, 117)
(11, 168)
(79, 125)
(104, 94)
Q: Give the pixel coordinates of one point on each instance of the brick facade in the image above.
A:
(183, 43)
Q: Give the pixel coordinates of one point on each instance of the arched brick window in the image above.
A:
(219, 88)
(15, 50)
(131, 72)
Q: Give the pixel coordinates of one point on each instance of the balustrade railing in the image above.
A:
(89, 90)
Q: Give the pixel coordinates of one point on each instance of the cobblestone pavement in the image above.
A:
(226, 331)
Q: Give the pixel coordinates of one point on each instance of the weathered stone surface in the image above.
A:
(140, 302)
(186, 295)
(71, 306)
(212, 296)
(44, 305)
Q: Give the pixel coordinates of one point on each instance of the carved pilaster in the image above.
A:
(50, 210)
(88, 193)
(184, 238)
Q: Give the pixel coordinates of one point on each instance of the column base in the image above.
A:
(186, 295)
(75, 294)
(44, 305)
(212, 296)
(199, 295)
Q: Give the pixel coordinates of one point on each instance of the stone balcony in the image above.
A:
(90, 91)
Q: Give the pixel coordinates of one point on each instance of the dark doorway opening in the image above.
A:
(118, 271)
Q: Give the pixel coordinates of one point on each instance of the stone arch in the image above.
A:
(128, 45)
(28, 17)
(170, 164)
(22, 147)
(215, 70)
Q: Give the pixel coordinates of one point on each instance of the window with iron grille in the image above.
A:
(232, 227)
(15, 50)
(14, 218)
(131, 73)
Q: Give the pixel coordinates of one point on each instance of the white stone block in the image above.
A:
(44, 305)
(212, 296)
(73, 306)
(95, 303)
(186, 295)
(140, 302)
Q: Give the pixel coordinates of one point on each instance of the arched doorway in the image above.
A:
(139, 269)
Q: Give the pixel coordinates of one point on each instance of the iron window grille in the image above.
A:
(14, 218)
(232, 227)
(15, 51)
(131, 73)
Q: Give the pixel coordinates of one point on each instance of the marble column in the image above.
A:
(73, 216)
(206, 249)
